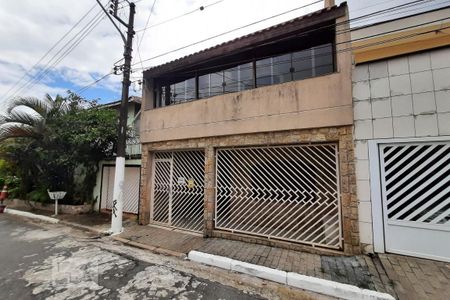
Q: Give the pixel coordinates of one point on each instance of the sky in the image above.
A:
(30, 28)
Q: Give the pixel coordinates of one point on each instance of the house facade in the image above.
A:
(401, 98)
(104, 187)
(252, 139)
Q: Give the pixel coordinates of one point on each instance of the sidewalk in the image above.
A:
(361, 271)
(406, 278)
(401, 276)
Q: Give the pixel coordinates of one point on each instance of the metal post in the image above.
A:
(118, 193)
(56, 206)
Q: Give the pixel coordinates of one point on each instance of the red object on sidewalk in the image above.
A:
(4, 193)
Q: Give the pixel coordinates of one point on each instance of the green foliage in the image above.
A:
(38, 195)
(60, 150)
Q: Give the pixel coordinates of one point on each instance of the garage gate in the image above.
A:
(178, 189)
(131, 192)
(282, 192)
(415, 183)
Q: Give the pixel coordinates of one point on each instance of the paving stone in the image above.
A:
(401, 276)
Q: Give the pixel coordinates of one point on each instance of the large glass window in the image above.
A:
(264, 72)
(231, 80)
(204, 86)
(178, 95)
(281, 70)
(322, 59)
(190, 90)
(301, 63)
(307, 63)
(245, 73)
(216, 84)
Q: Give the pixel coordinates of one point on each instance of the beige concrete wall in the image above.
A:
(311, 103)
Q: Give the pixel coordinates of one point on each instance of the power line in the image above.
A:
(342, 50)
(146, 23)
(201, 8)
(48, 65)
(83, 89)
(139, 42)
(65, 50)
(27, 73)
(226, 32)
(265, 19)
(391, 9)
(326, 53)
(413, 9)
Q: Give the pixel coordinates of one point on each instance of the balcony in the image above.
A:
(133, 147)
(295, 75)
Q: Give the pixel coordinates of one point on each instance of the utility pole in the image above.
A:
(118, 193)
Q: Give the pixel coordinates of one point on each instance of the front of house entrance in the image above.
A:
(415, 198)
(178, 189)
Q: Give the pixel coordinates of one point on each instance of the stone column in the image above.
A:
(210, 191)
(144, 197)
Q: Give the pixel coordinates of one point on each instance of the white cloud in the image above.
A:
(30, 27)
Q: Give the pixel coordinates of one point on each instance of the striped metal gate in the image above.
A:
(415, 180)
(282, 192)
(131, 192)
(178, 189)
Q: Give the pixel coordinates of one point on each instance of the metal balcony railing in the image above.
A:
(133, 147)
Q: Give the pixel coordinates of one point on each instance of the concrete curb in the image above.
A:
(308, 283)
(153, 249)
(82, 227)
(31, 215)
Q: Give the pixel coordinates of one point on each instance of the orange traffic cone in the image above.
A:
(3, 196)
(4, 193)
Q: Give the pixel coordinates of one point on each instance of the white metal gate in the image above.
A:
(415, 179)
(178, 189)
(283, 192)
(131, 192)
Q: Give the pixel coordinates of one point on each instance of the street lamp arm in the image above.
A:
(112, 21)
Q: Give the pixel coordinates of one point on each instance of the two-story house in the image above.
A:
(104, 188)
(252, 139)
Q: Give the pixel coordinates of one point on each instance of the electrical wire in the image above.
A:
(361, 18)
(226, 32)
(63, 52)
(70, 49)
(139, 42)
(201, 8)
(326, 53)
(27, 73)
(83, 89)
(309, 31)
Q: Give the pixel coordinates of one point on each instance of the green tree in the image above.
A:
(57, 144)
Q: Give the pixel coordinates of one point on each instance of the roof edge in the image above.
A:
(293, 25)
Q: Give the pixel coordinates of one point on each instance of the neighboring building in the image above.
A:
(105, 178)
(401, 98)
(252, 139)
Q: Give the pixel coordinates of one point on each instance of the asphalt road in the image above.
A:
(50, 262)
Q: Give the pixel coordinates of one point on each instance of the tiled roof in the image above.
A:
(264, 33)
(131, 99)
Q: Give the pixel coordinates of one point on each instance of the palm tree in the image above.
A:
(28, 117)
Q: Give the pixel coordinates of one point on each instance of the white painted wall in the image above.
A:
(98, 184)
(404, 97)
